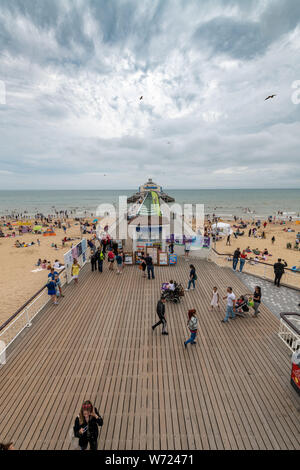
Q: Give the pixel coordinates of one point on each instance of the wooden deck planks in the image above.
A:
(231, 391)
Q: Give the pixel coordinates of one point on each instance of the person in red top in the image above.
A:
(111, 260)
(243, 258)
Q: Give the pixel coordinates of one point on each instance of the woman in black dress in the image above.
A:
(86, 426)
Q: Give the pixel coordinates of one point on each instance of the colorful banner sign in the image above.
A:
(155, 203)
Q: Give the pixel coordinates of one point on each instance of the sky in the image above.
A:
(72, 73)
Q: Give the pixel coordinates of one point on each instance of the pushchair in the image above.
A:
(242, 306)
(172, 295)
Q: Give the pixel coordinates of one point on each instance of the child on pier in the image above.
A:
(215, 301)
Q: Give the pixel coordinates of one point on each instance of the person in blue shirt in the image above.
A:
(55, 277)
(119, 260)
(51, 286)
(193, 278)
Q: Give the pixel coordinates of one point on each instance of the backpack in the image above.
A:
(193, 324)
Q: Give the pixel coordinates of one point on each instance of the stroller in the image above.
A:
(242, 306)
(172, 295)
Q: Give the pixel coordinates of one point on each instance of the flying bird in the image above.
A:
(271, 96)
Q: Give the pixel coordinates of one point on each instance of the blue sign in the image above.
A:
(172, 259)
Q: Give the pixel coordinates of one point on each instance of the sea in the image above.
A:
(226, 203)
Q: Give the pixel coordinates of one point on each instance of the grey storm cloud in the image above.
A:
(244, 39)
(239, 39)
(74, 71)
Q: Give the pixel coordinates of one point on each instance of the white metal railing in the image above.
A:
(289, 337)
(26, 315)
(24, 319)
(68, 261)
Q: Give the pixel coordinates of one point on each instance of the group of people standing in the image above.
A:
(114, 255)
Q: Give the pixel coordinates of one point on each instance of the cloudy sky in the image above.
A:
(72, 73)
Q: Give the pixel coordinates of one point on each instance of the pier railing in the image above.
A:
(260, 269)
(24, 316)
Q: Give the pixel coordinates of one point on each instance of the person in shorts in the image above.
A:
(119, 260)
(51, 286)
(111, 260)
(58, 285)
(187, 249)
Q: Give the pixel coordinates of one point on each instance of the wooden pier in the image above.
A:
(230, 391)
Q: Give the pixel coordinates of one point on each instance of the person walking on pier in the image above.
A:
(143, 264)
(236, 257)
(119, 260)
(256, 300)
(150, 267)
(230, 305)
(100, 259)
(51, 286)
(193, 278)
(193, 327)
(161, 310)
(215, 300)
(111, 260)
(187, 249)
(94, 261)
(75, 270)
(243, 258)
(86, 426)
(279, 271)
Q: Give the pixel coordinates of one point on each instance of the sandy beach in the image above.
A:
(18, 283)
(277, 250)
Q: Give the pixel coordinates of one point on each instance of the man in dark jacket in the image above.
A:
(279, 271)
(94, 261)
(150, 267)
(160, 310)
(236, 256)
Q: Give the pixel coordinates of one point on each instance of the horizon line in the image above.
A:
(169, 189)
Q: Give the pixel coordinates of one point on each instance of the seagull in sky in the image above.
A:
(269, 97)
